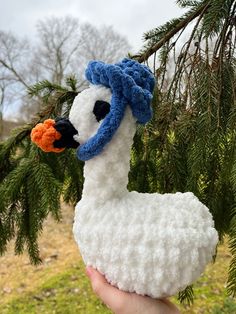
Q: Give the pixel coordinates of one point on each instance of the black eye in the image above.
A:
(101, 109)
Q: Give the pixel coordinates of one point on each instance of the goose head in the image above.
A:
(97, 112)
(89, 110)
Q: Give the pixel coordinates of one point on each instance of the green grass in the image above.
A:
(210, 290)
(228, 307)
(67, 291)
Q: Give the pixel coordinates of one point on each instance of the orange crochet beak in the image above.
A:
(54, 136)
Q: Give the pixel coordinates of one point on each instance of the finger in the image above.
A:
(171, 306)
(110, 295)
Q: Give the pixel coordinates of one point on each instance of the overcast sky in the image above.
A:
(130, 17)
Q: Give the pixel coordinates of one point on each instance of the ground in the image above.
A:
(59, 285)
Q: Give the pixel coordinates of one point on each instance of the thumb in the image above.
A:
(110, 295)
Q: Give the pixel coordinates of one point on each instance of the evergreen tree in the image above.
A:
(188, 146)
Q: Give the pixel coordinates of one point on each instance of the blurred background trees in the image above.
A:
(188, 146)
(62, 47)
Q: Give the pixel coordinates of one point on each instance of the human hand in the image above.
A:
(121, 302)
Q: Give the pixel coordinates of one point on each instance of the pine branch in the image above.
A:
(231, 283)
(187, 3)
(186, 296)
(182, 24)
(31, 181)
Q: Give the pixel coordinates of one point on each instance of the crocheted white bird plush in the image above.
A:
(151, 244)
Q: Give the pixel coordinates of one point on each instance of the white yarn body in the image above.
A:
(151, 244)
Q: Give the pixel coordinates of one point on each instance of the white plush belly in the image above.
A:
(150, 244)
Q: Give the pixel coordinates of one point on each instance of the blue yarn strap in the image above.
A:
(132, 84)
(110, 124)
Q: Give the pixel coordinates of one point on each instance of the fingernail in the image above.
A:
(89, 271)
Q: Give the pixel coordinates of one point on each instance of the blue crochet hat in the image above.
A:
(132, 84)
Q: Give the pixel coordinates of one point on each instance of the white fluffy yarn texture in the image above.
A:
(151, 244)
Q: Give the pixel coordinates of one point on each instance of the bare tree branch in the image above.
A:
(15, 73)
(64, 47)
